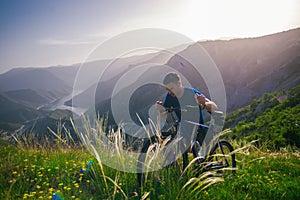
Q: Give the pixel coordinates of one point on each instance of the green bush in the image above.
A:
(268, 119)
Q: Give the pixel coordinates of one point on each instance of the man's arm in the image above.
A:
(209, 105)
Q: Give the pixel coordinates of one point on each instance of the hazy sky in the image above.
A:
(40, 33)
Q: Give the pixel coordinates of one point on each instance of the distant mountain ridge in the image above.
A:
(35, 79)
(254, 66)
(14, 114)
(250, 68)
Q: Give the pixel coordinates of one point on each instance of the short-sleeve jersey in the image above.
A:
(186, 102)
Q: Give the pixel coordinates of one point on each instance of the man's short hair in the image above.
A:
(171, 77)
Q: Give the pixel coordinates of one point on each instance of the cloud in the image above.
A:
(86, 40)
(97, 36)
(56, 42)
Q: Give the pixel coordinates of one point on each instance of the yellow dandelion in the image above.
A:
(51, 190)
(14, 172)
(26, 160)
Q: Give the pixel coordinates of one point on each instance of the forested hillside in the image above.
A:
(273, 119)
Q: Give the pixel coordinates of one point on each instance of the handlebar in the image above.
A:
(216, 113)
(217, 116)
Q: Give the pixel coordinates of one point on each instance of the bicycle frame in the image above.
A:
(194, 142)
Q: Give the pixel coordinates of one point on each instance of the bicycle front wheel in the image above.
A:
(222, 158)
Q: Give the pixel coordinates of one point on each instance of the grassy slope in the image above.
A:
(274, 118)
(39, 173)
(262, 175)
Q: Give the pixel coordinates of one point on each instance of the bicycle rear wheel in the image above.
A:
(222, 158)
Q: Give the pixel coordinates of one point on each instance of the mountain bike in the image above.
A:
(220, 158)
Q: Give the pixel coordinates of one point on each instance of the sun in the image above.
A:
(234, 18)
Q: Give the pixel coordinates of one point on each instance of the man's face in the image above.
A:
(173, 88)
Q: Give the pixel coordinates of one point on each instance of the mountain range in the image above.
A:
(250, 67)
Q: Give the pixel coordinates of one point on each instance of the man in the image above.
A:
(189, 104)
(180, 98)
(177, 95)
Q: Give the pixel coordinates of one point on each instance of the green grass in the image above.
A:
(40, 172)
(262, 175)
(274, 118)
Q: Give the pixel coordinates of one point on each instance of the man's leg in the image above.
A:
(142, 157)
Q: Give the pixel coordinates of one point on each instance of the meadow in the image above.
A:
(62, 170)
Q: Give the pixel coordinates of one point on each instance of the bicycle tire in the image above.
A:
(223, 155)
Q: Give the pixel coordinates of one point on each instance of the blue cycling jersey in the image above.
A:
(187, 100)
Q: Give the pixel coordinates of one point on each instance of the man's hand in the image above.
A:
(159, 106)
(201, 99)
(208, 104)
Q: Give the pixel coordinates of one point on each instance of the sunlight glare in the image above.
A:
(235, 18)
